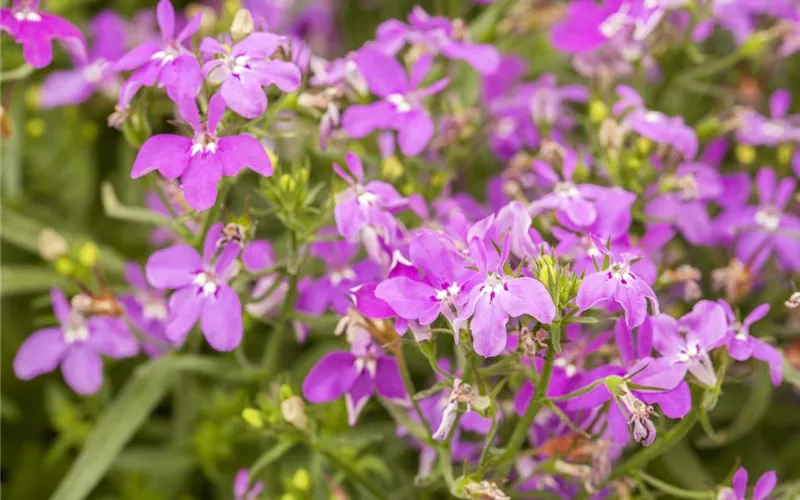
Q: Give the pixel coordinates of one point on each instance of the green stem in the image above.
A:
(19, 73)
(520, 432)
(674, 490)
(353, 474)
(579, 392)
(410, 390)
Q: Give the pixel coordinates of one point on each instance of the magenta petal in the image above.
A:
(772, 356)
(167, 153)
(285, 75)
(675, 403)
(82, 370)
(137, 57)
(383, 73)
(257, 255)
(740, 482)
(173, 267)
(37, 51)
(184, 310)
(594, 288)
(65, 87)
(388, 381)
(110, 337)
(765, 484)
(527, 296)
(200, 181)
(523, 397)
(633, 302)
(415, 132)
(334, 374)
(221, 319)
(409, 298)
(240, 484)
(135, 276)
(360, 120)
(239, 151)
(40, 353)
(244, 95)
(165, 14)
(61, 306)
(488, 328)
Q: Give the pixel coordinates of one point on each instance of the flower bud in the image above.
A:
(598, 111)
(745, 154)
(51, 244)
(794, 301)
(301, 480)
(64, 266)
(253, 418)
(392, 168)
(242, 24)
(485, 490)
(785, 153)
(286, 183)
(293, 410)
(755, 45)
(88, 254)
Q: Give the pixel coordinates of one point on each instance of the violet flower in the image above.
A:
(244, 68)
(743, 346)
(779, 128)
(357, 374)
(764, 486)
(201, 290)
(168, 63)
(683, 198)
(703, 329)
(92, 73)
(619, 283)
(203, 160)
(76, 345)
(436, 35)
(146, 308)
(243, 490)
(499, 298)
(400, 107)
(35, 31)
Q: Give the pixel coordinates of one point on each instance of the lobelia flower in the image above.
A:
(35, 31)
(400, 107)
(167, 63)
(92, 73)
(203, 160)
(146, 308)
(775, 130)
(76, 345)
(244, 68)
(759, 231)
(442, 290)
(619, 283)
(764, 486)
(201, 290)
(703, 329)
(243, 490)
(437, 35)
(357, 374)
(743, 346)
(500, 297)
(683, 198)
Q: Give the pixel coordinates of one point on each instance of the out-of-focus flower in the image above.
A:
(243, 489)
(35, 30)
(764, 486)
(743, 346)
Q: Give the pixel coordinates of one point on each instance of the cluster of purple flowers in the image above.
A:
(565, 273)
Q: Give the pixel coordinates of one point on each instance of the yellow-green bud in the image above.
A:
(785, 152)
(745, 154)
(64, 266)
(35, 127)
(598, 111)
(88, 254)
(301, 480)
(392, 168)
(546, 270)
(643, 145)
(754, 45)
(286, 183)
(253, 418)
(272, 156)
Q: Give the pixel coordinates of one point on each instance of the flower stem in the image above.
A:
(213, 212)
(19, 73)
(674, 490)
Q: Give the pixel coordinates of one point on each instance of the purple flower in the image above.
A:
(765, 228)
(765, 484)
(619, 283)
(683, 200)
(201, 161)
(743, 346)
(779, 128)
(167, 63)
(242, 490)
(146, 308)
(442, 290)
(705, 328)
(35, 31)
(76, 345)
(244, 68)
(437, 35)
(92, 73)
(201, 290)
(400, 107)
(499, 298)
(356, 374)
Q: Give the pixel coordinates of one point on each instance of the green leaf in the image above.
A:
(26, 279)
(115, 209)
(115, 427)
(753, 410)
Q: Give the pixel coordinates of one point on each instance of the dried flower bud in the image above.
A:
(232, 233)
(51, 244)
(734, 280)
(794, 301)
(644, 431)
(242, 24)
(293, 410)
(485, 490)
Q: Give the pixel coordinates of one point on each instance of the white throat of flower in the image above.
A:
(566, 189)
(448, 293)
(27, 15)
(340, 275)
(620, 270)
(76, 330)
(204, 143)
(166, 56)
(154, 308)
(616, 21)
(569, 368)
(207, 282)
(768, 218)
(365, 198)
(687, 187)
(238, 64)
(690, 353)
(741, 332)
(401, 103)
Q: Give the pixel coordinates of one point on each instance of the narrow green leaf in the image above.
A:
(26, 279)
(115, 209)
(116, 426)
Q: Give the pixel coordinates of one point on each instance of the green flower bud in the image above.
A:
(598, 111)
(745, 154)
(88, 254)
(253, 418)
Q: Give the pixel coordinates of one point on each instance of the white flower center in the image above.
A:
(653, 117)
(155, 309)
(30, 16)
(569, 368)
(691, 352)
(166, 56)
(204, 143)
(566, 189)
(94, 72)
(620, 270)
(688, 188)
(505, 127)
(207, 282)
(239, 64)
(342, 274)
(616, 21)
(768, 218)
(366, 198)
(76, 330)
(400, 102)
(774, 129)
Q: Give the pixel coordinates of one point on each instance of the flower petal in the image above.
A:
(41, 353)
(167, 153)
(334, 374)
(527, 296)
(82, 370)
(488, 328)
(594, 288)
(184, 310)
(221, 319)
(173, 267)
(239, 151)
(388, 381)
